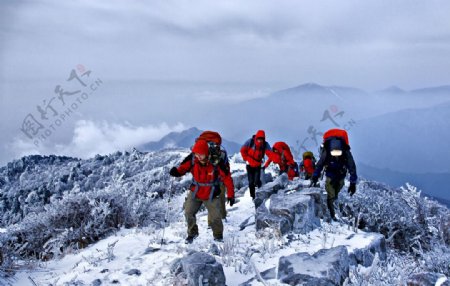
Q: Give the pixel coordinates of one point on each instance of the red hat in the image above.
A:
(201, 147)
(260, 134)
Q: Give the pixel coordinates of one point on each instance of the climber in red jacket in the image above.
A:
(281, 155)
(205, 189)
(253, 152)
(308, 165)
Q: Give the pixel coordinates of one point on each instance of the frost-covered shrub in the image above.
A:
(398, 267)
(409, 221)
(44, 222)
(79, 219)
(415, 225)
(28, 183)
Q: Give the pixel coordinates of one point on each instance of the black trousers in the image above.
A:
(254, 179)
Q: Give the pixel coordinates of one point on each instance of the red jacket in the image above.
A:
(307, 166)
(205, 174)
(281, 155)
(253, 152)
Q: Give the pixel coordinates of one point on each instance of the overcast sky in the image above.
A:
(265, 45)
(366, 44)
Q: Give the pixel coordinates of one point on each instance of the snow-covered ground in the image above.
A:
(119, 257)
(134, 256)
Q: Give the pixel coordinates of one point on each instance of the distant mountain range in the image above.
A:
(410, 140)
(185, 139)
(437, 90)
(287, 114)
(338, 92)
(393, 90)
(432, 184)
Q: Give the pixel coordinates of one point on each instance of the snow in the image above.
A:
(140, 179)
(335, 93)
(111, 258)
(441, 281)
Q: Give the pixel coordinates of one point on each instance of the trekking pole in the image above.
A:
(166, 215)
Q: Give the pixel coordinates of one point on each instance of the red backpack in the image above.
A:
(210, 136)
(216, 153)
(309, 166)
(340, 133)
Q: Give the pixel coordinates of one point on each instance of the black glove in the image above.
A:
(314, 181)
(352, 189)
(174, 172)
(231, 201)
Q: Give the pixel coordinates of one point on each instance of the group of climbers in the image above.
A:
(210, 169)
(253, 152)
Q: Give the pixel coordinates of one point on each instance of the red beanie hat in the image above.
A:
(260, 134)
(201, 147)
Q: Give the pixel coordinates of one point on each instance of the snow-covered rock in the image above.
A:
(298, 208)
(268, 274)
(319, 198)
(200, 268)
(325, 267)
(265, 219)
(288, 212)
(366, 255)
(269, 189)
(427, 279)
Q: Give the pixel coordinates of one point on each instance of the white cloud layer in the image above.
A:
(91, 138)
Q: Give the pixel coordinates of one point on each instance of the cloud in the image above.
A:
(91, 138)
(256, 40)
(221, 97)
(369, 44)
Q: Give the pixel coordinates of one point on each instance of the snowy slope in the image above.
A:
(108, 263)
(241, 254)
(136, 184)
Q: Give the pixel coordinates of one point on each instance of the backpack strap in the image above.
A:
(253, 146)
(213, 184)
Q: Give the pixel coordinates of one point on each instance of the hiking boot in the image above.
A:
(218, 239)
(190, 238)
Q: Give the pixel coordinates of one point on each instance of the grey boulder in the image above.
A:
(325, 267)
(199, 268)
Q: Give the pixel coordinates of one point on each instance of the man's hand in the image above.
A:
(231, 201)
(352, 189)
